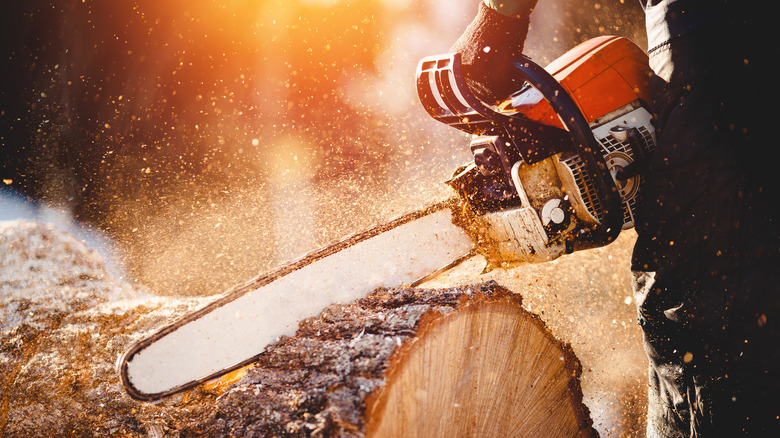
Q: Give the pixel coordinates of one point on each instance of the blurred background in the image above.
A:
(198, 143)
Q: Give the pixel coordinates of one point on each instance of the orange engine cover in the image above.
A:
(601, 75)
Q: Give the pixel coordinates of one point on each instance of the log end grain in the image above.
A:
(486, 369)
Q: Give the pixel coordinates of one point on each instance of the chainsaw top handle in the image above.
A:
(446, 97)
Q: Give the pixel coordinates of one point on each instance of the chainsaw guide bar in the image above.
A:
(234, 330)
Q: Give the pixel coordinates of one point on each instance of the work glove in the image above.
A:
(489, 45)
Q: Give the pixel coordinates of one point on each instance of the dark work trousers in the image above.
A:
(705, 266)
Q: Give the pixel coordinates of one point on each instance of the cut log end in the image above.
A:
(486, 369)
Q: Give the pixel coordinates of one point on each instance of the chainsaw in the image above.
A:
(557, 167)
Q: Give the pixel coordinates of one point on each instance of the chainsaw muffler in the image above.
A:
(557, 166)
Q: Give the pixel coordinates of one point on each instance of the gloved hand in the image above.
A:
(489, 45)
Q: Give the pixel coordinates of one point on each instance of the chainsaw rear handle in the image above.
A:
(447, 98)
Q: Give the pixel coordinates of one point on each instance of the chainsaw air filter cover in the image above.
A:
(557, 166)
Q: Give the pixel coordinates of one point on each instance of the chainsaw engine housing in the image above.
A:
(530, 195)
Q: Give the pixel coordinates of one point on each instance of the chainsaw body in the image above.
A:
(557, 166)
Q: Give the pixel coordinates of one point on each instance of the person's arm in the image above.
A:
(489, 45)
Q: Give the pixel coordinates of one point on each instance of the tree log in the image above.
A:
(465, 361)
(415, 362)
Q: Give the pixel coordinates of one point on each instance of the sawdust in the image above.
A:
(63, 322)
(43, 266)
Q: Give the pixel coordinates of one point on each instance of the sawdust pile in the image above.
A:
(63, 322)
